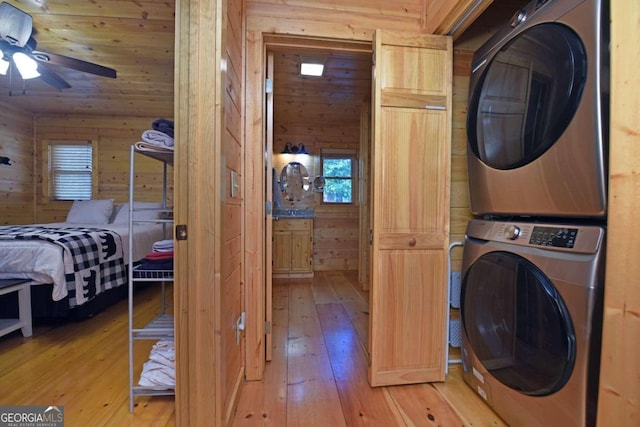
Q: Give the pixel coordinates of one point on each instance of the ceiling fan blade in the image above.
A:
(76, 64)
(52, 78)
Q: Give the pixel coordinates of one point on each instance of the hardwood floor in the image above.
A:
(318, 375)
(83, 366)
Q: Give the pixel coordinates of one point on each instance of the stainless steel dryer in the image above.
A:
(531, 308)
(537, 119)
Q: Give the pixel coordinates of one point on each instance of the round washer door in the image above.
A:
(517, 324)
(526, 96)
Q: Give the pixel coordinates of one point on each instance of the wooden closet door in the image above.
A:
(411, 173)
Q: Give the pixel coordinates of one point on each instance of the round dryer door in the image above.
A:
(526, 96)
(517, 324)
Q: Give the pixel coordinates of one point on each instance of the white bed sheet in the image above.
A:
(41, 261)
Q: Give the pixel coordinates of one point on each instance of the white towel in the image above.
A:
(160, 370)
(154, 148)
(156, 137)
(162, 246)
(156, 375)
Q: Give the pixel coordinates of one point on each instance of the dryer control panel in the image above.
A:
(558, 237)
(553, 236)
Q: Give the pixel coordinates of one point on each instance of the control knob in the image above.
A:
(512, 232)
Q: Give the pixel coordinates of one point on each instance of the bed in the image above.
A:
(77, 267)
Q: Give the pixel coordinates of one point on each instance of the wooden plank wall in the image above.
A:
(17, 180)
(460, 213)
(231, 293)
(114, 137)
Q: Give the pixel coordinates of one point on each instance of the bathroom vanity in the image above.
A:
(292, 243)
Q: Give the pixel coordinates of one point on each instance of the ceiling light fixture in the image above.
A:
(311, 69)
(4, 64)
(27, 66)
(294, 149)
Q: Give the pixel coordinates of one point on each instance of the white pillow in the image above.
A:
(123, 214)
(90, 211)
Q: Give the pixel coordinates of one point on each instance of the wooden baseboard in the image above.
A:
(308, 275)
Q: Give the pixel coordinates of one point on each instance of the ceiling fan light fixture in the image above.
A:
(27, 66)
(4, 64)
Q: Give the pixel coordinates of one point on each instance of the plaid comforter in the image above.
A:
(93, 258)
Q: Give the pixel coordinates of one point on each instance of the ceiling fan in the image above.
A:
(17, 45)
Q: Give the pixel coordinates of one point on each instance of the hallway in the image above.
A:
(318, 375)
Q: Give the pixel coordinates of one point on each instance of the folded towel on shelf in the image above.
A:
(157, 137)
(146, 146)
(163, 352)
(159, 256)
(149, 264)
(160, 370)
(162, 246)
(163, 125)
(157, 375)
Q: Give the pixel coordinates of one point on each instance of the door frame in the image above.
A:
(257, 44)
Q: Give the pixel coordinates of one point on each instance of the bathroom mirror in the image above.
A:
(294, 181)
(318, 184)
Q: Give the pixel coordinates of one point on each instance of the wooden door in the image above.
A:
(411, 171)
(269, 180)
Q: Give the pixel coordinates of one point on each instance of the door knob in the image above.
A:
(412, 241)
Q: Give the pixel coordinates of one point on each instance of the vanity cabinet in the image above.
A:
(292, 247)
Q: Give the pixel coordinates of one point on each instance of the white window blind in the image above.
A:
(71, 170)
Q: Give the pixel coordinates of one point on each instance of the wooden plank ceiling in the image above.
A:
(135, 37)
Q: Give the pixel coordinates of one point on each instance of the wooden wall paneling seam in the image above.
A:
(182, 264)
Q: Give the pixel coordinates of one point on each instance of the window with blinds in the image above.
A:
(70, 170)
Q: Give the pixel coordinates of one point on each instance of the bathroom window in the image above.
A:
(338, 170)
(70, 170)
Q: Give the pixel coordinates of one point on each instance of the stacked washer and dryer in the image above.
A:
(533, 263)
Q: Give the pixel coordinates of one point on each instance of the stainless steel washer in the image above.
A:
(531, 308)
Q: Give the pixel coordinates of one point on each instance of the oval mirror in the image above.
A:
(318, 184)
(294, 181)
